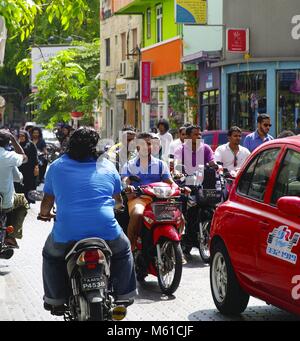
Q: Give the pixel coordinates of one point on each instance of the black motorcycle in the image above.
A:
(91, 292)
(53, 152)
(202, 202)
(6, 251)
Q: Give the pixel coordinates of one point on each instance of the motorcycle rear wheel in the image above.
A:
(96, 312)
(172, 263)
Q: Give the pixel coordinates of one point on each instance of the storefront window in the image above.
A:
(288, 99)
(247, 98)
(209, 110)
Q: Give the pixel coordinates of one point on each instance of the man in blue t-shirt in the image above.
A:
(150, 170)
(85, 192)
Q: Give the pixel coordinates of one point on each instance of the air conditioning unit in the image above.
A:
(132, 88)
(127, 68)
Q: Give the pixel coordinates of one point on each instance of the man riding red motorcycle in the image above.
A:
(154, 180)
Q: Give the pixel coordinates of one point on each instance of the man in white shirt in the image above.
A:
(165, 138)
(9, 160)
(232, 154)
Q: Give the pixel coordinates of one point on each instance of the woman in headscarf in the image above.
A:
(30, 169)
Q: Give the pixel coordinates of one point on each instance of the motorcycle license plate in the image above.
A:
(92, 283)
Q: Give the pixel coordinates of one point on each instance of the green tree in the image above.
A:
(20, 15)
(68, 82)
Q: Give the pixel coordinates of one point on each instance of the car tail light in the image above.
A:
(91, 258)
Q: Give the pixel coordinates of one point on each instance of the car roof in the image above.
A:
(292, 140)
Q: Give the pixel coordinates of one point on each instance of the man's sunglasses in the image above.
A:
(267, 125)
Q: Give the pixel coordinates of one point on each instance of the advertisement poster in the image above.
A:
(191, 12)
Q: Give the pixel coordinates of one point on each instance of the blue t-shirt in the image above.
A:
(156, 171)
(83, 195)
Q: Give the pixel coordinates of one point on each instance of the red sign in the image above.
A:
(76, 114)
(237, 40)
(145, 82)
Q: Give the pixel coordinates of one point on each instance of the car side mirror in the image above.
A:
(289, 205)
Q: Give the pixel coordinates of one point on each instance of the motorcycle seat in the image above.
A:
(89, 243)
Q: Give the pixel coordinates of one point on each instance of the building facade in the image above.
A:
(120, 43)
(162, 47)
(268, 79)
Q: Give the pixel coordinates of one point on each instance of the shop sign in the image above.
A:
(237, 40)
(191, 12)
(145, 82)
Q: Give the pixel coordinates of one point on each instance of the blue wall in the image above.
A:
(271, 68)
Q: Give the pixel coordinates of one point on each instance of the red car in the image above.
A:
(254, 240)
(215, 138)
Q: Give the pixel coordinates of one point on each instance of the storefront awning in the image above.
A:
(255, 60)
(202, 56)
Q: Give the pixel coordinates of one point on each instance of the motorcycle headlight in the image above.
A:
(162, 192)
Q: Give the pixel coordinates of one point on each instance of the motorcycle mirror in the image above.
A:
(134, 178)
(36, 195)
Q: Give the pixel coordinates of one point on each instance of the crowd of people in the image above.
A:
(86, 188)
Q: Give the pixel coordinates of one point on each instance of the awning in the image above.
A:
(202, 56)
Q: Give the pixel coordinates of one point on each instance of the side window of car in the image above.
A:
(208, 139)
(254, 181)
(288, 178)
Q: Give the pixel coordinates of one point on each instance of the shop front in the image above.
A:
(250, 89)
(209, 97)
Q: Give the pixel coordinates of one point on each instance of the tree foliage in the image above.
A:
(68, 83)
(20, 15)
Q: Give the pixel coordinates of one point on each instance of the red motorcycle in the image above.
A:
(158, 246)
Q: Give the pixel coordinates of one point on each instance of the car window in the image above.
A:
(223, 139)
(255, 178)
(208, 139)
(288, 178)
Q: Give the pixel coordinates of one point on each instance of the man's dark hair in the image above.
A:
(190, 129)
(4, 139)
(234, 129)
(262, 117)
(128, 128)
(181, 129)
(82, 144)
(285, 133)
(165, 123)
(144, 136)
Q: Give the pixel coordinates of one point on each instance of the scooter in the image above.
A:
(158, 246)
(91, 291)
(207, 191)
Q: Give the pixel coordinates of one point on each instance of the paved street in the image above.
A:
(21, 289)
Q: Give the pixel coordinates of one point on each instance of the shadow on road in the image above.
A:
(254, 313)
(149, 291)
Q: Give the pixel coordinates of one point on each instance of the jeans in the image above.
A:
(55, 276)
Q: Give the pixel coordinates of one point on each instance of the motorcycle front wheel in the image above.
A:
(170, 271)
